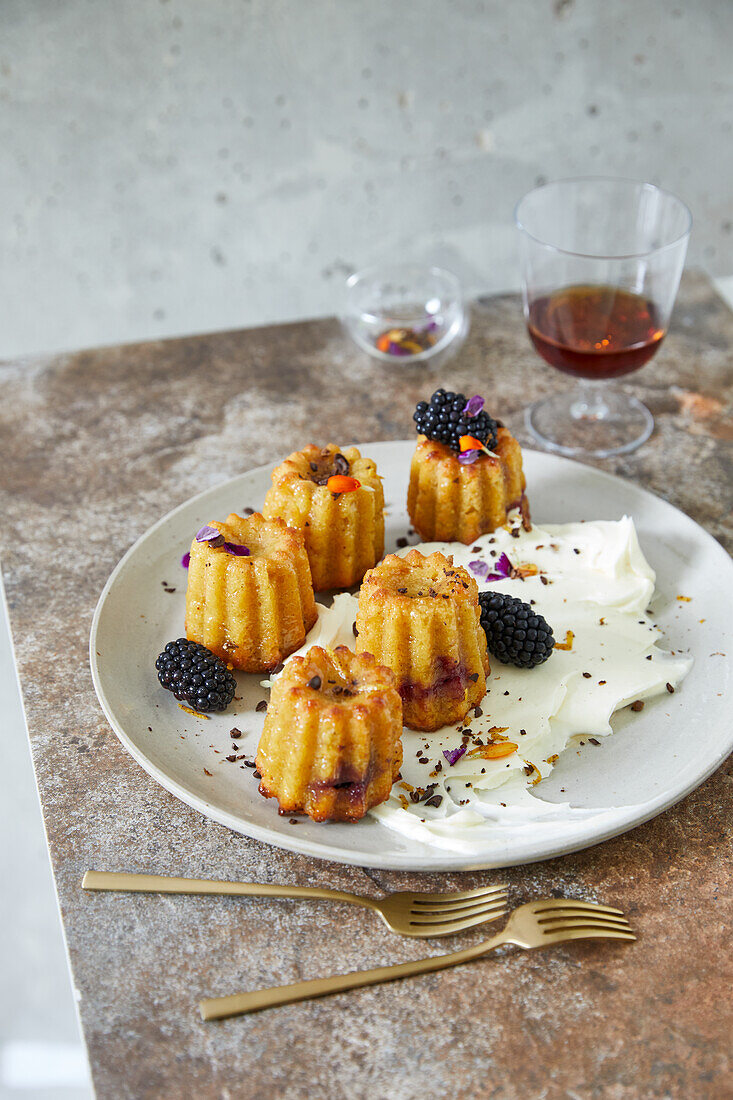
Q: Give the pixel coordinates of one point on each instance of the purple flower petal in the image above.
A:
(210, 535)
(479, 569)
(503, 569)
(474, 405)
(185, 560)
(466, 458)
(452, 755)
(236, 549)
(504, 566)
(396, 349)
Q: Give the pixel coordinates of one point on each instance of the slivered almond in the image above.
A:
(496, 730)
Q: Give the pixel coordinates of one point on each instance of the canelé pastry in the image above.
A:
(335, 497)
(466, 472)
(331, 747)
(250, 597)
(420, 616)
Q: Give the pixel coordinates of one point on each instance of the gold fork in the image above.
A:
(406, 913)
(536, 924)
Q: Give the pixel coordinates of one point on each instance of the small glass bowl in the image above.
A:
(425, 300)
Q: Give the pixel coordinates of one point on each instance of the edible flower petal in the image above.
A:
(479, 569)
(502, 569)
(340, 483)
(453, 755)
(210, 535)
(469, 443)
(466, 458)
(494, 751)
(185, 560)
(474, 405)
(236, 549)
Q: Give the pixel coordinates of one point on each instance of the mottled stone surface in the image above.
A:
(96, 446)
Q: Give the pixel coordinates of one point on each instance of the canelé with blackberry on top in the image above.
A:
(331, 745)
(420, 616)
(250, 597)
(334, 497)
(466, 472)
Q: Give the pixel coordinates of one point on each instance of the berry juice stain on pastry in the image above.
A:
(420, 617)
(331, 745)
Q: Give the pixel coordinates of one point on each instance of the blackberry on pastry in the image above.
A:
(466, 473)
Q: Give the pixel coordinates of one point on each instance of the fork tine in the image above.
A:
(440, 920)
(588, 934)
(458, 912)
(457, 908)
(565, 923)
(573, 903)
(580, 914)
(460, 895)
(424, 931)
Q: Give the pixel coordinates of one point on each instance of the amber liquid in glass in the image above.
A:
(595, 331)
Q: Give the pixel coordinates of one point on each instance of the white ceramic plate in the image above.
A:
(652, 760)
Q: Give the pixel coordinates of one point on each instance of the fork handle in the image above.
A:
(167, 884)
(217, 1008)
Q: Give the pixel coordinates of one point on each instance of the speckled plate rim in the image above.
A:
(389, 850)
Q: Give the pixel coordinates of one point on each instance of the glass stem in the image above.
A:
(589, 404)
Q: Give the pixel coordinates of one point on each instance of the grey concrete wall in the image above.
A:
(168, 167)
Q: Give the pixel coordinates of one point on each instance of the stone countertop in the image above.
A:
(95, 447)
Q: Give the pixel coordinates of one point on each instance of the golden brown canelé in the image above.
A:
(449, 502)
(420, 616)
(251, 611)
(343, 532)
(331, 744)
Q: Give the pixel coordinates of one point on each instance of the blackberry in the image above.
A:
(444, 420)
(516, 635)
(195, 675)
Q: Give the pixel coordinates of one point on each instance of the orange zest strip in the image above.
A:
(568, 643)
(341, 483)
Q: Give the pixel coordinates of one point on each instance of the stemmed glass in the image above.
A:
(601, 261)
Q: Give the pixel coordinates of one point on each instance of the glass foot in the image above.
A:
(590, 422)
